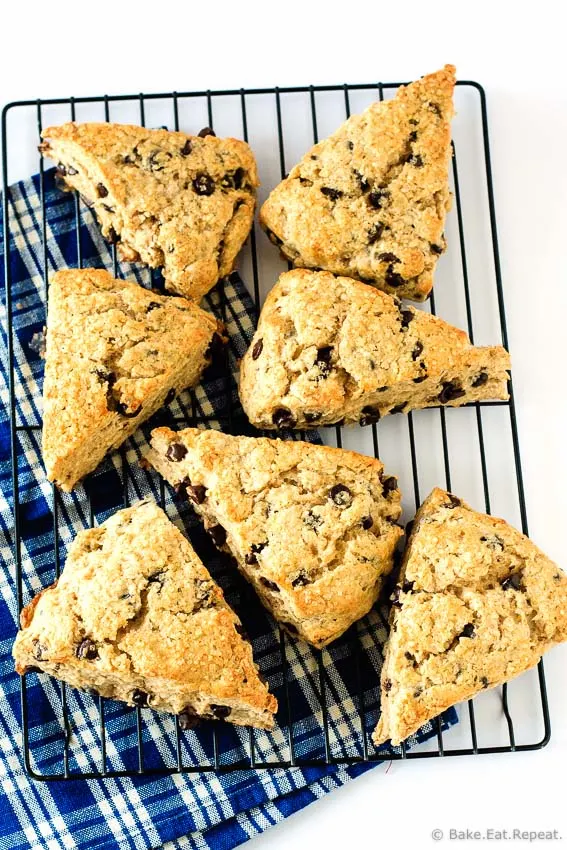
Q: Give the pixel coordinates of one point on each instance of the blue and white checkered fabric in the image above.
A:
(200, 810)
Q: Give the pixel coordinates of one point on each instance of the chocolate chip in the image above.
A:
(283, 418)
(203, 184)
(412, 136)
(181, 488)
(312, 417)
(389, 484)
(378, 198)
(484, 682)
(197, 493)
(187, 148)
(270, 585)
(399, 408)
(170, 396)
(128, 414)
(369, 415)
(250, 558)
(153, 305)
(413, 121)
(340, 495)
(218, 535)
(388, 257)
(406, 317)
(362, 181)
(188, 719)
(454, 502)
(101, 189)
(367, 522)
(395, 597)
(415, 160)
(407, 586)
(417, 349)
(494, 542)
(139, 698)
(206, 131)
(434, 107)
(468, 631)
(333, 194)
(112, 236)
(480, 379)
(87, 650)
(513, 582)
(301, 580)
(221, 711)
(275, 240)
(176, 452)
(312, 520)
(417, 693)
(392, 278)
(323, 359)
(451, 390)
(419, 379)
(411, 658)
(435, 249)
(387, 685)
(350, 145)
(375, 233)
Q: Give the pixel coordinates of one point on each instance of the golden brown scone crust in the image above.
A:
(370, 201)
(135, 616)
(329, 349)
(312, 528)
(115, 351)
(170, 200)
(477, 604)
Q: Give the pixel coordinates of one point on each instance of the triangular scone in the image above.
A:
(477, 604)
(185, 203)
(116, 352)
(329, 349)
(136, 617)
(370, 201)
(312, 528)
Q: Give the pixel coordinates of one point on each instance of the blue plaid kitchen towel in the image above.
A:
(198, 810)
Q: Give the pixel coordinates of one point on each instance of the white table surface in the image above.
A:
(81, 49)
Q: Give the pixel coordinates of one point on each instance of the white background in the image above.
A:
(519, 57)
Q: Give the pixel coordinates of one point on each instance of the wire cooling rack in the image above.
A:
(474, 452)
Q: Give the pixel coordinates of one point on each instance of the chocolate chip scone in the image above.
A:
(135, 616)
(184, 203)
(477, 604)
(330, 349)
(116, 352)
(370, 201)
(312, 528)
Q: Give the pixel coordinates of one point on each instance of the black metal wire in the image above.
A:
(320, 684)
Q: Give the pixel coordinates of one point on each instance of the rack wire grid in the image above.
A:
(280, 124)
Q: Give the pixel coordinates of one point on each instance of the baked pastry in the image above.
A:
(477, 603)
(135, 616)
(370, 201)
(329, 349)
(116, 352)
(185, 203)
(312, 528)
